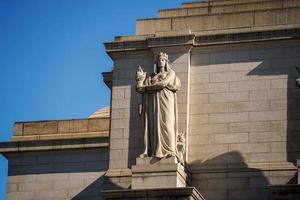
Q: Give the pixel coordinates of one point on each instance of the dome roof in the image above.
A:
(102, 112)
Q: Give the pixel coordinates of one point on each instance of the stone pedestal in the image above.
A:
(158, 173)
(187, 193)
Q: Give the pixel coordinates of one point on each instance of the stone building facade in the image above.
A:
(238, 107)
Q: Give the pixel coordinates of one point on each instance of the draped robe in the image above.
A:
(160, 117)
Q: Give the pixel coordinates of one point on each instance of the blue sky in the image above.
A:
(52, 56)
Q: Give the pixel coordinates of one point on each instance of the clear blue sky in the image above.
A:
(52, 56)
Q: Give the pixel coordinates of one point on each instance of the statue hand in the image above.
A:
(140, 89)
(161, 84)
(140, 74)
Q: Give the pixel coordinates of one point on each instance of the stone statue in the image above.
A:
(159, 108)
(298, 79)
(181, 147)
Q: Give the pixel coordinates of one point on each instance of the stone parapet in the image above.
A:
(60, 129)
(227, 8)
(252, 18)
(192, 4)
(185, 193)
(57, 135)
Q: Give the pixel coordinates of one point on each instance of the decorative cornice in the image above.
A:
(171, 41)
(247, 37)
(149, 43)
(107, 78)
(202, 40)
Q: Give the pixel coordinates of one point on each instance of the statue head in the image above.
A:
(162, 61)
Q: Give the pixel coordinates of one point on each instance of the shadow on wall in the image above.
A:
(287, 87)
(76, 174)
(56, 161)
(94, 190)
(266, 72)
(227, 176)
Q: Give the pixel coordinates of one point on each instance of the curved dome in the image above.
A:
(102, 112)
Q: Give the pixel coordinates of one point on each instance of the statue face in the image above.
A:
(161, 62)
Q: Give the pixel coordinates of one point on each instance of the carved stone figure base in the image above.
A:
(158, 173)
(187, 193)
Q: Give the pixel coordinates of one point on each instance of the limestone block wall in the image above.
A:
(126, 126)
(220, 21)
(57, 159)
(244, 119)
(57, 175)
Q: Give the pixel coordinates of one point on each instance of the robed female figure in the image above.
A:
(159, 108)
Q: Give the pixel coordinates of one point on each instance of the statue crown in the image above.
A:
(163, 55)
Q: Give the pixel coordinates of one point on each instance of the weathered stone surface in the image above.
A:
(57, 174)
(151, 173)
(61, 129)
(214, 21)
(33, 128)
(153, 194)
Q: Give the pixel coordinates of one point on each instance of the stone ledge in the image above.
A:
(242, 167)
(137, 169)
(190, 193)
(43, 145)
(122, 172)
(248, 36)
(171, 41)
(284, 32)
(150, 42)
(59, 136)
(107, 78)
